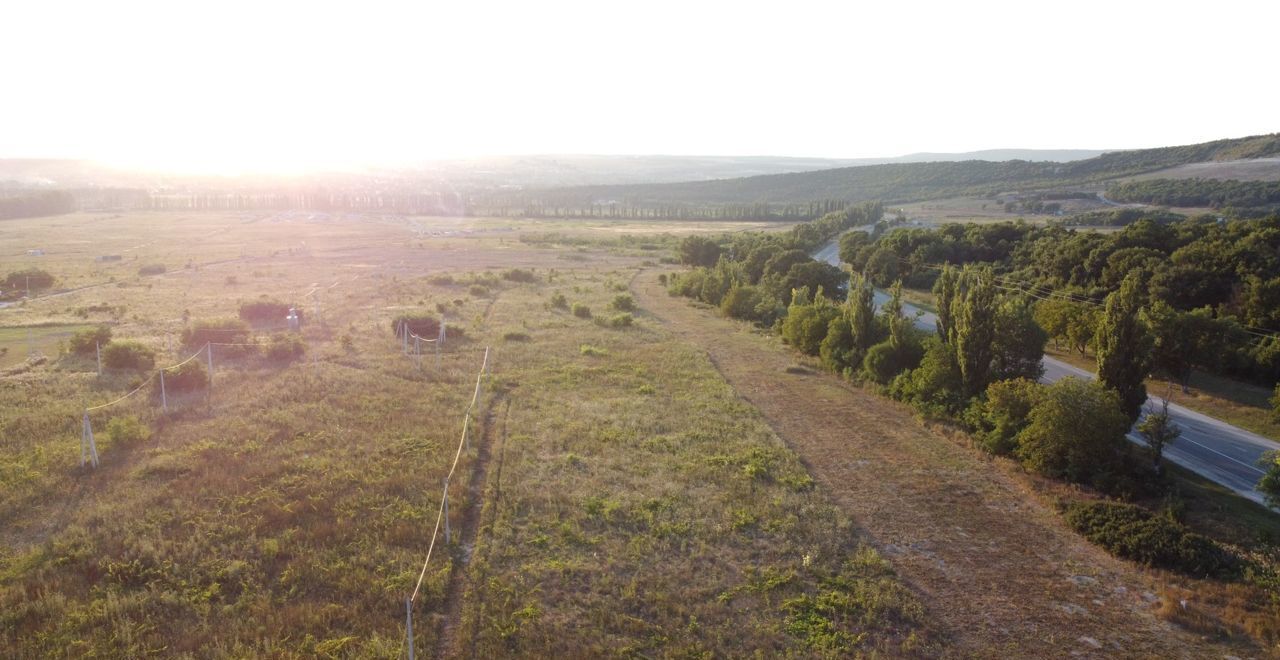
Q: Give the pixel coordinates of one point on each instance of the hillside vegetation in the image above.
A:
(892, 183)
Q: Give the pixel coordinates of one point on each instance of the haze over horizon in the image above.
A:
(293, 87)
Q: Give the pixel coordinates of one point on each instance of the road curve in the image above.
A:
(1209, 447)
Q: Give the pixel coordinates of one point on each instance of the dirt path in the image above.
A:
(997, 570)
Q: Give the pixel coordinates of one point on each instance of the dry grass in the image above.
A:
(643, 507)
(997, 568)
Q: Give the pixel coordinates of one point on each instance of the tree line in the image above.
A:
(1210, 290)
(1214, 193)
(980, 366)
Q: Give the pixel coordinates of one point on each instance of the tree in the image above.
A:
(699, 251)
(1275, 403)
(1181, 340)
(1018, 347)
(1158, 431)
(1076, 431)
(944, 289)
(1124, 347)
(973, 333)
(851, 243)
(806, 323)
(1269, 485)
(894, 317)
(816, 275)
(861, 311)
(1003, 412)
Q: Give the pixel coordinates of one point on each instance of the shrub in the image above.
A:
(805, 325)
(662, 279)
(422, 325)
(741, 303)
(621, 321)
(1002, 413)
(558, 301)
(1075, 431)
(127, 430)
(285, 348)
(225, 331)
(152, 269)
(265, 312)
(1128, 531)
(128, 355)
(519, 275)
(883, 361)
(581, 311)
(478, 291)
(86, 342)
(594, 351)
(623, 303)
(934, 387)
(442, 279)
(187, 377)
(516, 336)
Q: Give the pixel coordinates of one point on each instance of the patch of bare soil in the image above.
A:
(996, 568)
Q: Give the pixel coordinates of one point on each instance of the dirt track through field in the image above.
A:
(997, 570)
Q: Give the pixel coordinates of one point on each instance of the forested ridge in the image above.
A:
(892, 183)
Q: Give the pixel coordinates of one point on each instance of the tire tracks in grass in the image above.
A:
(447, 641)
(997, 569)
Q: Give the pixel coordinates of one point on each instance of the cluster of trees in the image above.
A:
(556, 206)
(752, 276)
(1210, 290)
(17, 283)
(1118, 217)
(33, 204)
(1215, 193)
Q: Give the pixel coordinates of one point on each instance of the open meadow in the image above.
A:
(614, 497)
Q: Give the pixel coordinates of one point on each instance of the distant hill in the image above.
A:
(898, 182)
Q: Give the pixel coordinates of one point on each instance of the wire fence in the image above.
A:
(442, 513)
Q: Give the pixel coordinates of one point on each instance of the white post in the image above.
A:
(404, 339)
(443, 332)
(447, 535)
(209, 346)
(98, 348)
(164, 398)
(408, 624)
(87, 439)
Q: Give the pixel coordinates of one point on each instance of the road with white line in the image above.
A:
(1209, 447)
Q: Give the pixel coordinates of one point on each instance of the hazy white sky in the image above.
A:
(244, 86)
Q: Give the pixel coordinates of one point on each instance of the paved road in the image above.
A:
(1219, 451)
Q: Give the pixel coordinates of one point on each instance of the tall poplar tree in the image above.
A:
(1123, 344)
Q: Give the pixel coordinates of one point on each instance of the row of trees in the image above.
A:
(1215, 193)
(1211, 285)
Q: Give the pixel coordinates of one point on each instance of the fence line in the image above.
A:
(442, 513)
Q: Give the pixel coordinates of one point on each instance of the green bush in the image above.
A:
(127, 430)
(478, 291)
(623, 303)
(265, 312)
(581, 311)
(884, 362)
(128, 355)
(422, 325)
(187, 377)
(558, 301)
(1000, 415)
(1131, 532)
(519, 275)
(1075, 431)
(1269, 485)
(516, 336)
(741, 302)
(225, 331)
(86, 342)
(621, 321)
(805, 325)
(285, 348)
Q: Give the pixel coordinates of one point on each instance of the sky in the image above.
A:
(265, 86)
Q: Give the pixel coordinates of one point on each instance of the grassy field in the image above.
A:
(618, 499)
(17, 343)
